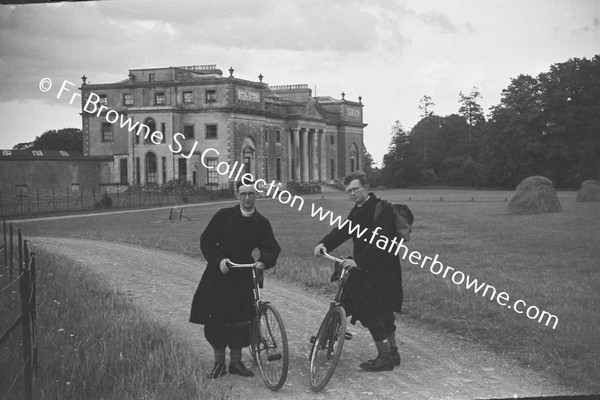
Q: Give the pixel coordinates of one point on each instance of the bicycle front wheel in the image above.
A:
(270, 347)
(327, 348)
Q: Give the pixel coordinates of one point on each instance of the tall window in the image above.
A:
(210, 96)
(331, 139)
(188, 96)
(212, 176)
(137, 170)
(278, 136)
(107, 134)
(266, 168)
(278, 168)
(128, 99)
(123, 171)
(211, 131)
(163, 129)
(159, 98)
(164, 170)
(182, 164)
(266, 135)
(151, 77)
(103, 100)
(151, 168)
(332, 168)
(188, 131)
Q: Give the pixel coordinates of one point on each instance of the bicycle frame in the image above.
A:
(344, 275)
(256, 289)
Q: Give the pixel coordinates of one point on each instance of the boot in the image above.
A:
(383, 362)
(395, 355)
(238, 368)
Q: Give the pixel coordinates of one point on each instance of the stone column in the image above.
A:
(296, 133)
(315, 155)
(290, 154)
(304, 155)
(323, 153)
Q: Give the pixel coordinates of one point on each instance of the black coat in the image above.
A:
(231, 235)
(378, 282)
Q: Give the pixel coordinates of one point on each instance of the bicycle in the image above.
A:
(329, 341)
(268, 338)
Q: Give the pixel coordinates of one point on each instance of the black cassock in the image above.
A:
(228, 298)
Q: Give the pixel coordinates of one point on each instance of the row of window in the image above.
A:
(188, 131)
(210, 96)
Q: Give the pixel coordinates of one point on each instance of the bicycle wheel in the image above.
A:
(327, 349)
(270, 345)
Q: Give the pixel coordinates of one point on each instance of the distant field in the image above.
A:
(551, 261)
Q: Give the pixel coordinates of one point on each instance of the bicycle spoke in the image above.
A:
(272, 349)
(327, 348)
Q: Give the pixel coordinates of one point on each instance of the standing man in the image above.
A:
(224, 300)
(377, 280)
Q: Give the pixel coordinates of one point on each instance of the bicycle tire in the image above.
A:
(270, 347)
(327, 348)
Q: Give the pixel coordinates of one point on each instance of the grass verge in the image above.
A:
(92, 344)
(549, 260)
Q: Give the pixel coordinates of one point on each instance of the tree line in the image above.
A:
(547, 125)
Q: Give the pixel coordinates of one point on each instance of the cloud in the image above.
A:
(594, 26)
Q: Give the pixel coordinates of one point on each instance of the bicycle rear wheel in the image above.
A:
(327, 349)
(270, 347)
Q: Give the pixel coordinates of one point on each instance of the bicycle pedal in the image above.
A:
(313, 339)
(348, 335)
(275, 357)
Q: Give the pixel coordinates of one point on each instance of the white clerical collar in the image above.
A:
(247, 213)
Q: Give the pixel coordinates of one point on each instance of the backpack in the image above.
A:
(403, 218)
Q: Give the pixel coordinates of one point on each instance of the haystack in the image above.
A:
(590, 191)
(534, 195)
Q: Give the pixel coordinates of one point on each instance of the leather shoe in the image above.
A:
(218, 370)
(383, 362)
(238, 368)
(395, 356)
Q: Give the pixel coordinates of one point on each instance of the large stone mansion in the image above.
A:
(278, 133)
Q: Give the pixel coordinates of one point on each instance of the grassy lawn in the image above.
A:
(550, 261)
(92, 344)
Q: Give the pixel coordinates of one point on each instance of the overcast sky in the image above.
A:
(389, 52)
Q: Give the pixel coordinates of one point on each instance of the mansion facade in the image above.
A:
(278, 133)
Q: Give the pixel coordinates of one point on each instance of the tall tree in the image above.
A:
(472, 112)
(68, 139)
(426, 106)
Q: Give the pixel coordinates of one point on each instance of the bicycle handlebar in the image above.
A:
(234, 265)
(330, 257)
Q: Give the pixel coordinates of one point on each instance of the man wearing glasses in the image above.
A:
(375, 280)
(224, 300)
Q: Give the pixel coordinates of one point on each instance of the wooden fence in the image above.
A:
(25, 280)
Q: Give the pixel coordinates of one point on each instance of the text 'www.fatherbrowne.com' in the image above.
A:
(459, 278)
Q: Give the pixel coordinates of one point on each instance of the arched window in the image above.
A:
(248, 150)
(151, 168)
(149, 122)
(354, 157)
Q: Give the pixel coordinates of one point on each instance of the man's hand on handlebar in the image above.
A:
(224, 265)
(349, 263)
(260, 266)
(318, 251)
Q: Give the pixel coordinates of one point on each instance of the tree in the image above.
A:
(426, 107)
(472, 112)
(68, 139)
(393, 160)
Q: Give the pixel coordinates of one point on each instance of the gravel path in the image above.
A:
(434, 365)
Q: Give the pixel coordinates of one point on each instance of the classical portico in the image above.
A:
(307, 155)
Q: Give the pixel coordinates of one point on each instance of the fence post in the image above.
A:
(5, 248)
(25, 289)
(33, 311)
(20, 244)
(11, 252)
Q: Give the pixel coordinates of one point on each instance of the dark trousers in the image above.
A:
(382, 326)
(221, 334)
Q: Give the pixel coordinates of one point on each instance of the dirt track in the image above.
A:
(433, 365)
